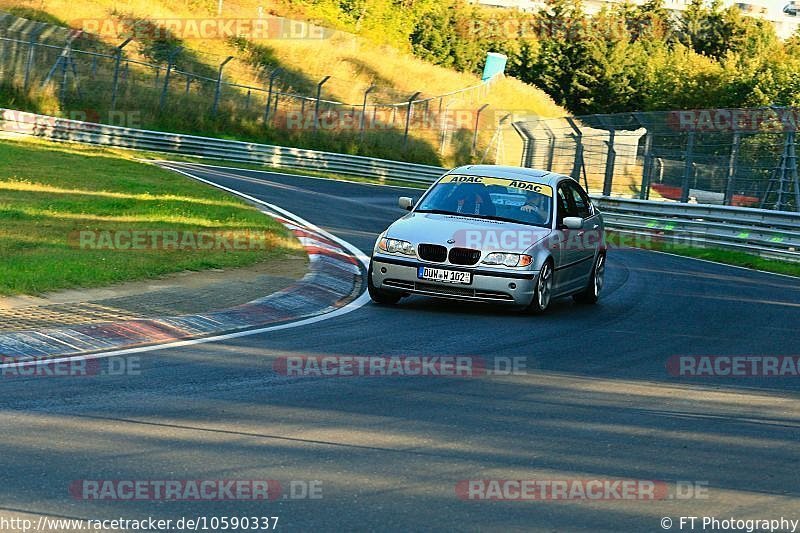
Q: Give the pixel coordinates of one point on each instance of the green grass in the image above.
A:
(49, 192)
(728, 257)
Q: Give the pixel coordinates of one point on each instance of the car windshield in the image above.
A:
(519, 201)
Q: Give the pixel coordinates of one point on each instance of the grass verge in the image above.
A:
(50, 193)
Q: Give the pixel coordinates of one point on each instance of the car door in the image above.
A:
(589, 237)
(565, 252)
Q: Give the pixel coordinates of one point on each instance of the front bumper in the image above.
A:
(400, 275)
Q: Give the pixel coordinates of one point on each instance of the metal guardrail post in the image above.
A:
(170, 63)
(408, 117)
(687, 169)
(732, 163)
(274, 74)
(364, 112)
(218, 89)
(316, 104)
(117, 60)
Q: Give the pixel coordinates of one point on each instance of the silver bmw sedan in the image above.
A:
(484, 233)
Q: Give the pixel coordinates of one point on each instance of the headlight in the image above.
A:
(509, 260)
(395, 246)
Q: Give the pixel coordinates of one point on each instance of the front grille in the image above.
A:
(464, 256)
(399, 284)
(447, 290)
(432, 252)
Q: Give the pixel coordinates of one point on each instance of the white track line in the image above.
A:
(352, 306)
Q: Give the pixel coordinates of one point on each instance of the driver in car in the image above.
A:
(470, 198)
(535, 206)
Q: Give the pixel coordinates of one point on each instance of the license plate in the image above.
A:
(448, 276)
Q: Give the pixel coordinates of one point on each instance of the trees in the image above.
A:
(632, 57)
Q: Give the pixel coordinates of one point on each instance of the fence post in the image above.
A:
(117, 60)
(526, 143)
(497, 140)
(477, 124)
(170, 63)
(444, 125)
(647, 163)
(32, 43)
(647, 167)
(364, 112)
(272, 75)
(687, 169)
(611, 158)
(732, 163)
(218, 89)
(408, 117)
(316, 104)
(551, 145)
(577, 163)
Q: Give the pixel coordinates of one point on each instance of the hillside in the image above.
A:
(353, 63)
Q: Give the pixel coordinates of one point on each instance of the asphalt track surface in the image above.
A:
(596, 403)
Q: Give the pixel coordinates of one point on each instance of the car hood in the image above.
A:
(467, 232)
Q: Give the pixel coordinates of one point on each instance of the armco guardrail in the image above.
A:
(770, 234)
(190, 145)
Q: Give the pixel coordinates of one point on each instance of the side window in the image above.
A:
(583, 206)
(565, 206)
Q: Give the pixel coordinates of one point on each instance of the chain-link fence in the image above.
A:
(162, 85)
(738, 157)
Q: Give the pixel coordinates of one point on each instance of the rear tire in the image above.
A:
(380, 296)
(542, 294)
(596, 280)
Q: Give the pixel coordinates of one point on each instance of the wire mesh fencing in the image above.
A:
(163, 86)
(735, 157)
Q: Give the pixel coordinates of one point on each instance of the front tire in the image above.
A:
(595, 285)
(380, 296)
(543, 292)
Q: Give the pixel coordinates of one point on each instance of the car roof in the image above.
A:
(499, 171)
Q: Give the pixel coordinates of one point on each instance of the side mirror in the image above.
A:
(573, 222)
(406, 202)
